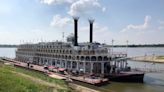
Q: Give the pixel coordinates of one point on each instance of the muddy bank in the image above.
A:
(80, 88)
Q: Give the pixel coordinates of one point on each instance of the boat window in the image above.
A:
(77, 57)
(79, 52)
(62, 56)
(66, 51)
(82, 58)
(93, 58)
(87, 58)
(69, 57)
(105, 58)
(99, 58)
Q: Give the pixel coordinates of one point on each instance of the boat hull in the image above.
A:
(127, 77)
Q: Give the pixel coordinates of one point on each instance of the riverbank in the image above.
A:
(80, 88)
(14, 79)
(38, 77)
(149, 58)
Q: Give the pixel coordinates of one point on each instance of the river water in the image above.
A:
(153, 82)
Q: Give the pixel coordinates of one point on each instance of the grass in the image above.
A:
(10, 82)
(160, 57)
(39, 75)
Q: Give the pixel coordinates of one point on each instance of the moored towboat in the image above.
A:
(131, 76)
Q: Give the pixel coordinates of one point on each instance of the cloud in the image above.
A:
(50, 2)
(161, 26)
(100, 33)
(104, 9)
(138, 27)
(78, 7)
(29, 35)
(59, 21)
(84, 7)
(74, 8)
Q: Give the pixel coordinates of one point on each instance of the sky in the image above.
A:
(32, 21)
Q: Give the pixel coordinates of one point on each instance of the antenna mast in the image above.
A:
(63, 36)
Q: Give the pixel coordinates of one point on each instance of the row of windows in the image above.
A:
(86, 58)
(53, 46)
(55, 51)
(24, 53)
(44, 46)
(92, 52)
(26, 46)
(85, 52)
(25, 49)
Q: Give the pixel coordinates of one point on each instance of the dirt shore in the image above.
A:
(80, 88)
(150, 58)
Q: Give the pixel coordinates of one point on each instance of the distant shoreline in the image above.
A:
(140, 45)
(8, 46)
(133, 45)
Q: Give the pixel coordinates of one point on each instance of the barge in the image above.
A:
(127, 77)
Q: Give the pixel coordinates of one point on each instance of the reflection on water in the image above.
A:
(154, 78)
(133, 87)
(150, 78)
(153, 82)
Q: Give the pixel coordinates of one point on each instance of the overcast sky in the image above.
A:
(138, 21)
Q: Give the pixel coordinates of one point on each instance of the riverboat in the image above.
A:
(78, 59)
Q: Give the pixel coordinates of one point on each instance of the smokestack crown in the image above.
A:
(76, 18)
(91, 21)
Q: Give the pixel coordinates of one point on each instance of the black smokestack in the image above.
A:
(75, 31)
(91, 30)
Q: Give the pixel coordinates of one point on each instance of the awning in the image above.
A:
(51, 67)
(61, 69)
